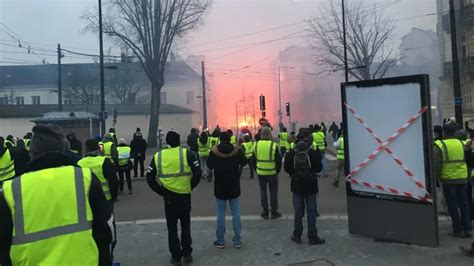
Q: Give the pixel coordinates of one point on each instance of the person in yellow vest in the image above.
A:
(113, 135)
(247, 147)
(266, 161)
(203, 152)
(7, 162)
(213, 141)
(319, 142)
(451, 170)
(124, 166)
(284, 144)
(9, 142)
(26, 141)
(339, 145)
(109, 148)
(55, 213)
(233, 138)
(173, 174)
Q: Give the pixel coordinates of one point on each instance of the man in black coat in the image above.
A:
(302, 164)
(74, 144)
(227, 161)
(192, 140)
(138, 148)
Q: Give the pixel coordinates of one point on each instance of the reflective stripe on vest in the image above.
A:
(52, 218)
(173, 171)
(107, 149)
(454, 166)
(27, 144)
(340, 149)
(124, 155)
(96, 163)
(7, 166)
(284, 140)
(248, 146)
(213, 141)
(11, 144)
(265, 153)
(203, 150)
(318, 141)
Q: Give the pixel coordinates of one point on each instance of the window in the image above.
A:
(163, 97)
(20, 100)
(4, 100)
(190, 97)
(35, 100)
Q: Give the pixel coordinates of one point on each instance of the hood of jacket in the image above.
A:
(225, 150)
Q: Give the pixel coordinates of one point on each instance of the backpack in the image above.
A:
(302, 165)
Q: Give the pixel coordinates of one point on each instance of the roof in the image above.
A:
(56, 116)
(13, 111)
(47, 75)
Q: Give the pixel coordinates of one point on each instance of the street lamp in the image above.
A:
(280, 113)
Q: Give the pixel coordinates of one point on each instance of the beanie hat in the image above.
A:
(225, 136)
(92, 145)
(172, 138)
(46, 138)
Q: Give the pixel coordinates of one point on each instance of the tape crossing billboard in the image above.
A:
(387, 129)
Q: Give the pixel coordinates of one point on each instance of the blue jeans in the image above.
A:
(324, 163)
(299, 203)
(221, 208)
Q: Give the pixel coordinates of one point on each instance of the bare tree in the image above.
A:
(124, 84)
(82, 88)
(150, 28)
(367, 31)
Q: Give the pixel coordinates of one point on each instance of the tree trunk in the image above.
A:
(154, 114)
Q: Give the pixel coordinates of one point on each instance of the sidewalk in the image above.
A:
(267, 242)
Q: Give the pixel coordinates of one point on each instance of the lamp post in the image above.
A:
(346, 69)
(280, 113)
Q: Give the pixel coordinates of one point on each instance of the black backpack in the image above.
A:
(302, 164)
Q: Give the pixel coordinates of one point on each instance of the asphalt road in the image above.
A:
(145, 204)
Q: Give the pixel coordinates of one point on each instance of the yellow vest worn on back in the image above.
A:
(265, 151)
(318, 141)
(124, 155)
(52, 217)
(340, 149)
(107, 149)
(233, 140)
(454, 167)
(248, 146)
(213, 141)
(284, 140)
(173, 171)
(7, 166)
(203, 150)
(95, 164)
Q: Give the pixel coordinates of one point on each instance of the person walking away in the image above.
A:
(248, 146)
(284, 145)
(7, 162)
(75, 145)
(339, 145)
(192, 140)
(53, 195)
(124, 166)
(26, 141)
(319, 142)
(109, 148)
(173, 173)
(213, 140)
(21, 158)
(113, 135)
(334, 131)
(138, 148)
(203, 152)
(451, 169)
(227, 160)
(233, 138)
(324, 129)
(267, 161)
(9, 142)
(302, 164)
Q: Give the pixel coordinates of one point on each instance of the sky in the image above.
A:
(44, 23)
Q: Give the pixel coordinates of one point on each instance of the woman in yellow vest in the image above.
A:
(59, 203)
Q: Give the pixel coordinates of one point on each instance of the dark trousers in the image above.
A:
(458, 207)
(141, 161)
(469, 200)
(124, 173)
(179, 209)
(272, 182)
(299, 203)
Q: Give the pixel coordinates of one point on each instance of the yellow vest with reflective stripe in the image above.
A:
(265, 151)
(96, 163)
(124, 155)
(233, 140)
(318, 141)
(248, 149)
(27, 144)
(107, 149)
(52, 217)
(213, 141)
(7, 166)
(454, 167)
(340, 149)
(284, 140)
(203, 150)
(173, 171)
(12, 144)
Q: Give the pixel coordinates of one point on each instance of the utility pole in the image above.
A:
(60, 85)
(455, 62)
(101, 62)
(204, 101)
(280, 115)
(346, 68)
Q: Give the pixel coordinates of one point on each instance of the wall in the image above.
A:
(48, 95)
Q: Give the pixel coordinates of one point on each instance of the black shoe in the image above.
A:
(175, 262)
(218, 245)
(296, 239)
(335, 184)
(188, 259)
(130, 192)
(276, 215)
(457, 234)
(316, 241)
(467, 234)
(264, 215)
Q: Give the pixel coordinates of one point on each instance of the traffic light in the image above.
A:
(262, 103)
(288, 109)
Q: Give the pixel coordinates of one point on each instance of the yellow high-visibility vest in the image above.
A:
(454, 167)
(173, 171)
(233, 140)
(248, 146)
(318, 141)
(265, 152)
(7, 166)
(124, 155)
(284, 140)
(52, 217)
(340, 149)
(95, 164)
(204, 149)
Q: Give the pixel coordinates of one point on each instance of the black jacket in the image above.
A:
(304, 186)
(192, 142)
(227, 162)
(74, 143)
(193, 162)
(138, 147)
(21, 159)
(110, 173)
(101, 231)
(253, 161)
